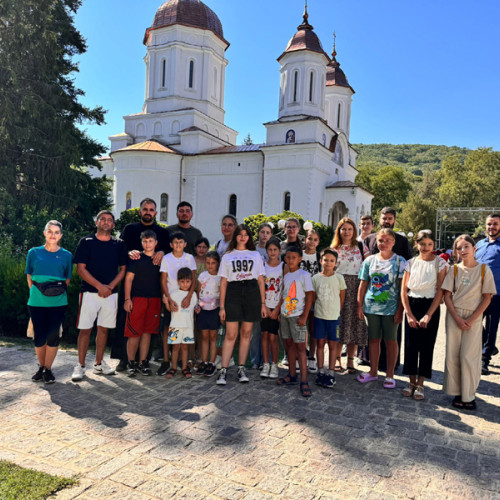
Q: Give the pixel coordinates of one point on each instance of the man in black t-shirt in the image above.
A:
(191, 233)
(101, 263)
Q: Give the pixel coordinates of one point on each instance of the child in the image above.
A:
(201, 247)
(242, 297)
(468, 288)
(270, 324)
(264, 234)
(421, 295)
(170, 265)
(311, 263)
(329, 289)
(298, 295)
(379, 299)
(208, 321)
(142, 304)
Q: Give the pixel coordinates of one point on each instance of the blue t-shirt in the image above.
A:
(44, 266)
(382, 295)
(488, 252)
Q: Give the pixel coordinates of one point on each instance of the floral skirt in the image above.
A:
(352, 330)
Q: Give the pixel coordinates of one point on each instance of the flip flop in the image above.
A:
(366, 377)
(389, 383)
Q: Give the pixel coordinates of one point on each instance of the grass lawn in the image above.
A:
(17, 483)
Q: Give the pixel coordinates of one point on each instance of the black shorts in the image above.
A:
(270, 325)
(208, 320)
(243, 301)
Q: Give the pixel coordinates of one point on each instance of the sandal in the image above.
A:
(288, 380)
(419, 393)
(338, 368)
(187, 373)
(305, 390)
(457, 402)
(389, 383)
(469, 405)
(350, 369)
(408, 390)
(170, 373)
(366, 377)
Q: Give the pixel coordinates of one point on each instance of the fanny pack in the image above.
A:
(51, 288)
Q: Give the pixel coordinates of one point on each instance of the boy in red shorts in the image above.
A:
(143, 305)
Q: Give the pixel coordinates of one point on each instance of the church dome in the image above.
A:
(192, 13)
(334, 75)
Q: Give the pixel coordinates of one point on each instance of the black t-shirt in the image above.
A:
(401, 246)
(146, 277)
(101, 258)
(131, 235)
(192, 234)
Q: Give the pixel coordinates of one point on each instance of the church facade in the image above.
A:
(179, 148)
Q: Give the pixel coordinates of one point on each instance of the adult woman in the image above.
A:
(228, 225)
(48, 270)
(242, 297)
(352, 253)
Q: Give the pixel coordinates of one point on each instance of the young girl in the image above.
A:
(242, 297)
(379, 299)
(208, 321)
(468, 288)
(263, 236)
(201, 247)
(351, 252)
(311, 263)
(274, 270)
(421, 295)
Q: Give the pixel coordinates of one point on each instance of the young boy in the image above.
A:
(181, 330)
(142, 304)
(297, 300)
(329, 289)
(169, 268)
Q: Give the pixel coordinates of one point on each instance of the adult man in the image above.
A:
(131, 235)
(101, 263)
(488, 252)
(387, 220)
(365, 226)
(192, 234)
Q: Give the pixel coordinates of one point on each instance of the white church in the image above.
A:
(179, 148)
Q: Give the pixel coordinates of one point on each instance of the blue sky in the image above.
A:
(424, 72)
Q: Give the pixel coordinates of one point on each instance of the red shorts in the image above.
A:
(144, 318)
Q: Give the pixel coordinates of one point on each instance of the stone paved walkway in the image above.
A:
(145, 437)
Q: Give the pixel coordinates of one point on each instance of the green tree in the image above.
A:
(247, 141)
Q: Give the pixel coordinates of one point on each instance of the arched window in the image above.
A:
(158, 129)
(128, 201)
(339, 111)
(286, 201)
(164, 207)
(191, 74)
(163, 72)
(139, 131)
(295, 85)
(311, 86)
(176, 126)
(233, 205)
(216, 81)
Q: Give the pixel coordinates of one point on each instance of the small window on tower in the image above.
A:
(163, 72)
(286, 201)
(295, 85)
(339, 112)
(191, 74)
(311, 86)
(233, 205)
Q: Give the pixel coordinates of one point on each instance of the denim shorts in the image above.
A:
(326, 329)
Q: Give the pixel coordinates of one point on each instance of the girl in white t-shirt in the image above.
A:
(421, 295)
(208, 321)
(242, 297)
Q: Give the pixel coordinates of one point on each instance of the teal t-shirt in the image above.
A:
(44, 266)
(382, 295)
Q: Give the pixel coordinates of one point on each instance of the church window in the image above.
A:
(233, 205)
(139, 132)
(158, 129)
(286, 201)
(163, 72)
(214, 93)
(295, 85)
(339, 111)
(191, 74)
(128, 201)
(163, 207)
(311, 86)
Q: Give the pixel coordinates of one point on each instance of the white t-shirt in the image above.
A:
(209, 298)
(274, 284)
(423, 276)
(295, 286)
(241, 265)
(183, 318)
(327, 288)
(171, 266)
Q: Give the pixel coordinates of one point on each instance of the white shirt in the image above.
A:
(209, 291)
(241, 265)
(422, 281)
(171, 266)
(274, 284)
(183, 318)
(294, 292)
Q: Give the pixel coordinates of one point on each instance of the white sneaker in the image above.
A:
(274, 372)
(221, 379)
(297, 366)
(242, 376)
(284, 361)
(265, 370)
(78, 373)
(104, 369)
(312, 367)
(218, 362)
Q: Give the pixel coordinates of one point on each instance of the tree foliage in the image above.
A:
(247, 141)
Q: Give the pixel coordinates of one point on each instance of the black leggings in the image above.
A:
(47, 323)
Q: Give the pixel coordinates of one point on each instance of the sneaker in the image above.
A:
(48, 376)
(484, 369)
(210, 370)
(329, 381)
(78, 373)
(284, 361)
(274, 372)
(242, 376)
(132, 368)
(104, 369)
(162, 371)
(312, 367)
(297, 367)
(218, 362)
(221, 379)
(201, 368)
(144, 368)
(38, 376)
(265, 370)
(122, 366)
(320, 379)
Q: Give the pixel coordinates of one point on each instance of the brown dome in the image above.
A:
(336, 76)
(188, 13)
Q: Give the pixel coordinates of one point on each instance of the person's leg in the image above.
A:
(333, 349)
(392, 355)
(144, 346)
(452, 368)
(205, 340)
(411, 349)
(275, 347)
(374, 346)
(492, 319)
(245, 336)
(166, 356)
(229, 341)
(426, 347)
(83, 345)
(256, 344)
(300, 349)
(100, 343)
(40, 354)
(374, 338)
(470, 360)
(352, 349)
(132, 346)
(320, 354)
(265, 338)
(292, 356)
(175, 356)
(213, 345)
(184, 355)
(50, 356)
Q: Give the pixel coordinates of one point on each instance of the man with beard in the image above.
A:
(488, 252)
(101, 262)
(191, 234)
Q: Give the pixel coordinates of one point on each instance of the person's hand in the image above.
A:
(412, 321)
(104, 291)
(424, 321)
(275, 313)
(361, 313)
(467, 323)
(398, 317)
(302, 320)
(165, 301)
(127, 305)
(173, 306)
(185, 302)
(263, 311)
(222, 315)
(134, 255)
(197, 309)
(157, 257)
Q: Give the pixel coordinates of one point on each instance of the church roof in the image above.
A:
(304, 39)
(153, 146)
(251, 148)
(346, 184)
(193, 13)
(334, 75)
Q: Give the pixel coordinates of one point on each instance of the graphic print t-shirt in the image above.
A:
(274, 284)
(295, 286)
(209, 291)
(241, 265)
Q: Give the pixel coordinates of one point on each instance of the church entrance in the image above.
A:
(337, 212)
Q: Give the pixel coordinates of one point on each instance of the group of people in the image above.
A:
(203, 299)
